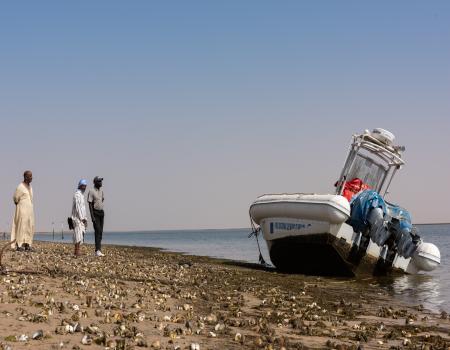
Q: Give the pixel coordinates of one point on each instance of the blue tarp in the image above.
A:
(401, 214)
(364, 202)
(361, 205)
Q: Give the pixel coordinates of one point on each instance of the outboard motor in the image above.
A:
(400, 226)
(378, 227)
(388, 224)
(405, 240)
(383, 227)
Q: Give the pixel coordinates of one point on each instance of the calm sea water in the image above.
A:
(432, 289)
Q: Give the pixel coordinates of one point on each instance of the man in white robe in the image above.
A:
(22, 231)
(79, 217)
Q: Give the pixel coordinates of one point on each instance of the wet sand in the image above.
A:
(143, 297)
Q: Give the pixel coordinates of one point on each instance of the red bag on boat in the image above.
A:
(353, 187)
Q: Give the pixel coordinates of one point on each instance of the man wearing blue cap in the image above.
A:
(79, 216)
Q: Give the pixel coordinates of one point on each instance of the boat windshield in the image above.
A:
(372, 162)
(366, 169)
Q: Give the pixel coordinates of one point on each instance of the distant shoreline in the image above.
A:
(156, 231)
(205, 229)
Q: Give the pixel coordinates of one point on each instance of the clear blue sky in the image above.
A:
(191, 109)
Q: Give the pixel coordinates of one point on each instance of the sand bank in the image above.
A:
(143, 297)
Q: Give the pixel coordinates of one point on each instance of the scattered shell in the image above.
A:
(86, 340)
(38, 335)
(23, 338)
(112, 344)
(100, 340)
(258, 342)
(141, 342)
(219, 327)
(156, 344)
(69, 328)
(211, 319)
(195, 346)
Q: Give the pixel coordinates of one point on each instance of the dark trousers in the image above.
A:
(99, 217)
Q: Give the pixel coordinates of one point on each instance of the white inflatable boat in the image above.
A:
(313, 233)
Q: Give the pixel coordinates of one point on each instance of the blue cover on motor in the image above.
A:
(401, 228)
(361, 205)
(401, 214)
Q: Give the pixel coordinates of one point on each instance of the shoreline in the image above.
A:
(137, 296)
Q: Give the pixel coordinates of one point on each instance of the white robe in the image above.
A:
(23, 222)
(78, 215)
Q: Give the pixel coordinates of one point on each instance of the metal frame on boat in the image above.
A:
(381, 154)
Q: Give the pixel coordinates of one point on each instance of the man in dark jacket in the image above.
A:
(95, 200)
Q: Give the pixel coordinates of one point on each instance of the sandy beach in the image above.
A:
(143, 297)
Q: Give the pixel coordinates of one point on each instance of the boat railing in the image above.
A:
(389, 158)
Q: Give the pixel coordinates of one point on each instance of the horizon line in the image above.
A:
(202, 229)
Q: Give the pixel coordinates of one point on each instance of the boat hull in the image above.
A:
(314, 254)
(323, 254)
